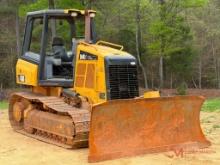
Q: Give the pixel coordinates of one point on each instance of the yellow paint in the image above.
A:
(82, 12)
(110, 44)
(66, 11)
(27, 70)
(30, 72)
(101, 51)
(91, 93)
(152, 94)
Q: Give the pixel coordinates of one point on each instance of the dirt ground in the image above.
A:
(16, 149)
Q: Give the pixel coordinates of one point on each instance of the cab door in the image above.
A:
(28, 64)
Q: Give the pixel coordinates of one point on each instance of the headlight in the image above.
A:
(133, 63)
(74, 14)
(92, 15)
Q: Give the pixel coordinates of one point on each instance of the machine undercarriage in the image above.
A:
(50, 119)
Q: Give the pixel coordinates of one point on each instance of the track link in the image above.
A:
(76, 120)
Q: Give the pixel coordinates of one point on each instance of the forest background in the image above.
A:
(176, 42)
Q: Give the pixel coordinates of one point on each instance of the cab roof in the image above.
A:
(59, 12)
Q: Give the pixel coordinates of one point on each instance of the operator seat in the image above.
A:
(59, 50)
(63, 67)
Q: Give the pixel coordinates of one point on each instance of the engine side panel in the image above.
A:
(90, 74)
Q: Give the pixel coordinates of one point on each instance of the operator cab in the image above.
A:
(50, 41)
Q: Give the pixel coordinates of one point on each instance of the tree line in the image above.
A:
(174, 41)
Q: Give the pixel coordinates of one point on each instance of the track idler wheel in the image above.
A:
(17, 107)
(18, 111)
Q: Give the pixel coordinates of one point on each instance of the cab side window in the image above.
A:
(35, 44)
(32, 42)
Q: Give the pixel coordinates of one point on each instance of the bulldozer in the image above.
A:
(84, 93)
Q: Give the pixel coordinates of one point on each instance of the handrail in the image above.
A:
(86, 44)
(110, 44)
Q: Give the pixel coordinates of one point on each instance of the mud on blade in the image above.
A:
(122, 128)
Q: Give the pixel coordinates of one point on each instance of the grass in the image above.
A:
(211, 105)
(3, 105)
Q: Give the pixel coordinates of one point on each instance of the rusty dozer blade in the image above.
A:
(122, 128)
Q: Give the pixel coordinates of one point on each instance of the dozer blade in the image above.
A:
(122, 128)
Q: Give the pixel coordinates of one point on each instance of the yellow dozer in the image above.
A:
(85, 93)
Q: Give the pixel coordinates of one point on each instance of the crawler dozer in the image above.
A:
(85, 93)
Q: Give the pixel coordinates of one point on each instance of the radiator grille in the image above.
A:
(123, 81)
